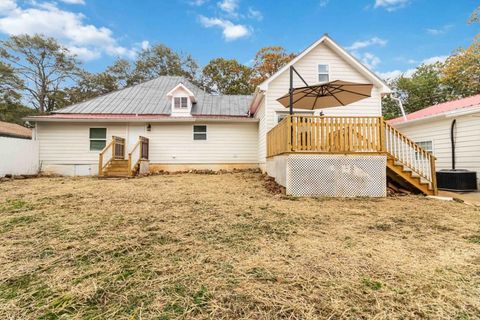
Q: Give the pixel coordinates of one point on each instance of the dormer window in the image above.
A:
(180, 102)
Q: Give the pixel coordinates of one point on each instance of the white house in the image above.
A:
(177, 126)
(432, 128)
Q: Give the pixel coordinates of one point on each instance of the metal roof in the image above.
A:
(151, 98)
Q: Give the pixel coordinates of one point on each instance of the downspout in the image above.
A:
(452, 140)
(400, 104)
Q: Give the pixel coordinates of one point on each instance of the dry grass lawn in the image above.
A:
(223, 247)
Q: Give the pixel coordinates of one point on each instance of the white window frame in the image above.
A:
(419, 141)
(329, 72)
(200, 133)
(90, 139)
(181, 98)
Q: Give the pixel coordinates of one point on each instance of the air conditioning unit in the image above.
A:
(457, 180)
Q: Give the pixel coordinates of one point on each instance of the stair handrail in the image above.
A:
(410, 154)
(138, 153)
(114, 148)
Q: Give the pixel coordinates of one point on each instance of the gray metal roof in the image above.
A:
(151, 98)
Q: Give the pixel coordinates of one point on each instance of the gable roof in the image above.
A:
(151, 98)
(440, 109)
(14, 130)
(376, 80)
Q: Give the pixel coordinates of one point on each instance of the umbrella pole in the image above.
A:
(291, 90)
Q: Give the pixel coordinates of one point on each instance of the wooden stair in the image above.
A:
(117, 168)
(406, 177)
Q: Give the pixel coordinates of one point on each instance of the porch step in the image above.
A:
(117, 168)
(404, 175)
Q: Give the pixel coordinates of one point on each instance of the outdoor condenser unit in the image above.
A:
(456, 179)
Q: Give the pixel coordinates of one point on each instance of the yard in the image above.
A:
(223, 246)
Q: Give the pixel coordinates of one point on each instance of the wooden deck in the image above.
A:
(407, 161)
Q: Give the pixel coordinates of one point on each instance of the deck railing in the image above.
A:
(345, 135)
(115, 148)
(139, 152)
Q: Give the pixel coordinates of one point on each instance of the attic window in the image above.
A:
(323, 73)
(181, 102)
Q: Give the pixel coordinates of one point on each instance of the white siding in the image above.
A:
(307, 67)
(467, 146)
(170, 143)
(262, 135)
(226, 143)
(69, 143)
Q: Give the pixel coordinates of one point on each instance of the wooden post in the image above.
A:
(290, 133)
(434, 174)
(100, 164)
(383, 141)
(130, 172)
(113, 147)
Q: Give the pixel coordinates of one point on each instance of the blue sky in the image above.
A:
(390, 36)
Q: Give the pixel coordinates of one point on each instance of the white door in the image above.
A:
(134, 131)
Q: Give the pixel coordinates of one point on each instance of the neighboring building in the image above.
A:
(13, 130)
(431, 128)
(177, 126)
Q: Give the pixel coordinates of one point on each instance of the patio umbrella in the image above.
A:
(324, 95)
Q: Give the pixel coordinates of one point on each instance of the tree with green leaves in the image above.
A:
(423, 89)
(462, 70)
(267, 61)
(10, 84)
(159, 60)
(227, 77)
(44, 66)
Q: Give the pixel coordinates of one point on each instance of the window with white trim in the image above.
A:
(199, 132)
(323, 73)
(180, 102)
(98, 138)
(282, 115)
(427, 145)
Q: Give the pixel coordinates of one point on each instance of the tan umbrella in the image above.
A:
(326, 95)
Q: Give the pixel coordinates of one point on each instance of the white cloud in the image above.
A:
(409, 72)
(197, 3)
(231, 31)
(85, 54)
(145, 45)
(370, 60)
(391, 5)
(439, 31)
(87, 40)
(367, 43)
(323, 3)
(7, 6)
(229, 6)
(255, 14)
(82, 2)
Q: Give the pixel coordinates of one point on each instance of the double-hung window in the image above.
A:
(98, 138)
(180, 102)
(427, 145)
(323, 73)
(199, 132)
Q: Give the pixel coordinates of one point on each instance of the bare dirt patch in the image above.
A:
(224, 246)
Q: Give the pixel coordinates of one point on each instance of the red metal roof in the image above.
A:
(96, 116)
(472, 101)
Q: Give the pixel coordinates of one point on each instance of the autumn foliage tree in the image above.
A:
(227, 77)
(267, 61)
(462, 70)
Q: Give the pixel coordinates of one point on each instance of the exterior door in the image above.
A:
(134, 131)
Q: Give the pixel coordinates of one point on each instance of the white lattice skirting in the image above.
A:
(332, 175)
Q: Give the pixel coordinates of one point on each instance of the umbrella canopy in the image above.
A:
(327, 95)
